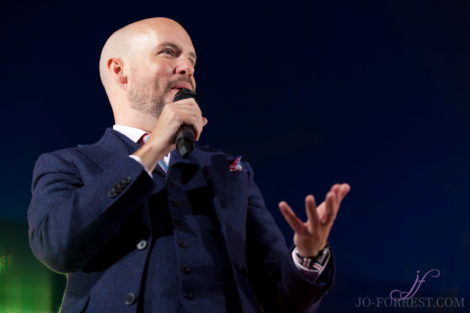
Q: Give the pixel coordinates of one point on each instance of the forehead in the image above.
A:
(163, 33)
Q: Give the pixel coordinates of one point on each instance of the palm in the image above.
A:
(311, 236)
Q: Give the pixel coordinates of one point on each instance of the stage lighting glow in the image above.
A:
(5, 262)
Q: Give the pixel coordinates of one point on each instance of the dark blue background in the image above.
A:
(373, 93)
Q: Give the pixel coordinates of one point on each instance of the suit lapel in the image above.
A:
(112, 146)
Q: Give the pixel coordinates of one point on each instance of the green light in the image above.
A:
(5, 262)
(26, 285)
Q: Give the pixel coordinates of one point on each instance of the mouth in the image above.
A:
(182, 84)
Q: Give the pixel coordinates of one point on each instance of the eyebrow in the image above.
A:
(172, 45)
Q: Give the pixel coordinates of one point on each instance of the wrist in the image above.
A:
(150, 154)
(310, 253)
(315, 263)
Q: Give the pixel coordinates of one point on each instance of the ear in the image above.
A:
(116, 70)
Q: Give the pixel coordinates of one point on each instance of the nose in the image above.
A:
(185, 67)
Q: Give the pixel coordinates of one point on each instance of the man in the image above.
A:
(137, 228)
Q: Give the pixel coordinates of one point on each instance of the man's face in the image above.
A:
(163, 61)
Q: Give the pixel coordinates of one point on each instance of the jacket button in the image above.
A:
(174, 203)
(141, 245)
(188, 295)
(182, 244)
(126, 180)
(121, 185)
(172, 183)
(130, 298)
(112, 193)
(185, 270)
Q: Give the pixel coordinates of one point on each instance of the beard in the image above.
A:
(150, 96)
(146, 96)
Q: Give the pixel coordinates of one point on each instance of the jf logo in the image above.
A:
(403, 295)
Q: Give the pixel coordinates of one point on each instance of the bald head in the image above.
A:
(140, 64)
(126, 40)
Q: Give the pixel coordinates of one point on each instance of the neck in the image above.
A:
(136, 119)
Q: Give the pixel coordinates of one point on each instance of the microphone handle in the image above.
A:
(185, 140)
(184, 137)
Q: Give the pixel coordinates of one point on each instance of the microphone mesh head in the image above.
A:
(184, 93)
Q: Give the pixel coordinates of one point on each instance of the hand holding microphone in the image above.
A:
(179, 124)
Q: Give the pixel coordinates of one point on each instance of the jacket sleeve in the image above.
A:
(278, 284)
(69, 220)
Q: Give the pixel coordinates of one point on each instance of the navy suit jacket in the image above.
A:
(89, 211)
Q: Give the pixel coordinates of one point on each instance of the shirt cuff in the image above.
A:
(141, 163)
(313, 272)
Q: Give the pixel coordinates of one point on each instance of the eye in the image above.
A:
(168, 51)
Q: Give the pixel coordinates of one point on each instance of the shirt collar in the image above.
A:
(132, 133)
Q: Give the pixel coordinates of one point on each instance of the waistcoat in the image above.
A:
(188, 269)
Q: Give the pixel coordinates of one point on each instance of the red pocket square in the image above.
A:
(235, 165)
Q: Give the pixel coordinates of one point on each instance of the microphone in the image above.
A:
(185, 135)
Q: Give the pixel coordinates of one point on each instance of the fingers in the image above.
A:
(335, 189)
(341, 190)
(333, 201)
(311, 210)
(195, 118)
(295, 223)
(344, 190)
(331, 209)
(187, 112)
(204, 122)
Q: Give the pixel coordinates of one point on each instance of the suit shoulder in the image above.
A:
(64, 156)
(208, 149)
(61, 154)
